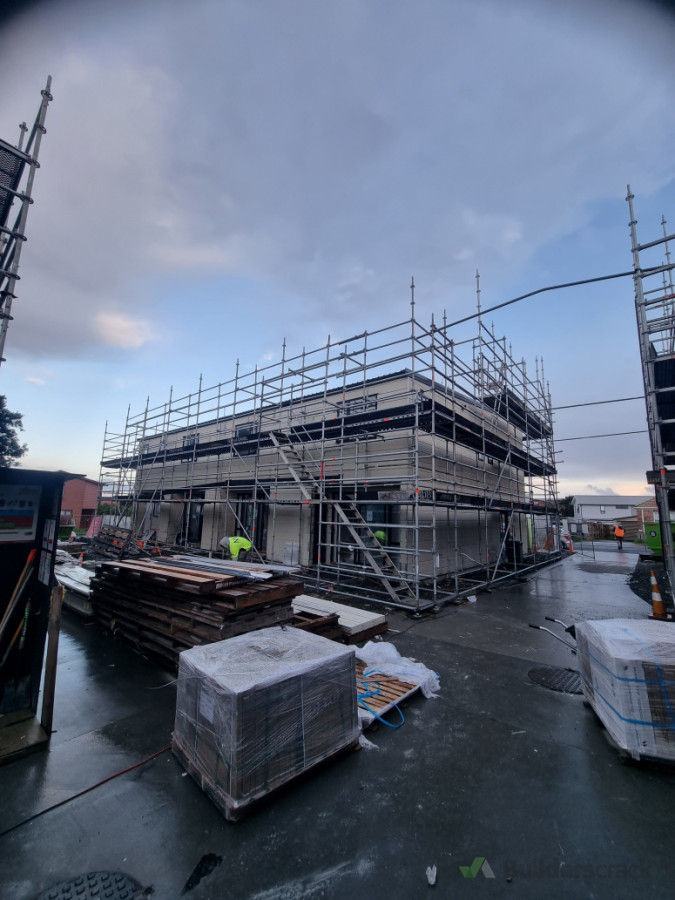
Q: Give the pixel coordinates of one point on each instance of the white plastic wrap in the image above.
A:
(256, 710)
(627, 670)
(383, 658)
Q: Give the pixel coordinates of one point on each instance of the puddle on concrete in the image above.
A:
(204, 867)
(604, 568)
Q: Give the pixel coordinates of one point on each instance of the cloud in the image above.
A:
(38, 382)
(594, 489)
(217, 175)
(120, 330)
(98, 199)
(241, 139)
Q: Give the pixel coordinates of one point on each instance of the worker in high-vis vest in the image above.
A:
(380, 536)
(236, 546)
(619, 534)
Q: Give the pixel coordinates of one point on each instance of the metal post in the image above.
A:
(648, 375)
(15, 243)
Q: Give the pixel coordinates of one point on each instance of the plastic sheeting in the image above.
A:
(259, 709)
(384, 659)
(627, 669)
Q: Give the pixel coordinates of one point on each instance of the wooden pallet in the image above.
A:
(73, 548)
(112, 542)
(229, 590)
(248, 594)
(326, 626)
(164, 616)
(169, 637)
(626, 757)
(234, 812)
(185, 579)
(386, 691)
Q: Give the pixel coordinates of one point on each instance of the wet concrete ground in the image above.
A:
(495, 767)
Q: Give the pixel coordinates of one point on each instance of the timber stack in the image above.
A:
(169, 605)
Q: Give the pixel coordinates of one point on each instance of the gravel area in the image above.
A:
(640, 580)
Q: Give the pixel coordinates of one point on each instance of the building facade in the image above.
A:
(646, 513)
(414, 479)
(80, 502)
(596, 515)
(606, 508)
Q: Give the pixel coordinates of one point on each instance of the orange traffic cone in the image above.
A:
(81, 559)
(658, 606)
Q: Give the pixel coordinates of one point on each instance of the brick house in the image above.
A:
(80, 502)
(647, 511)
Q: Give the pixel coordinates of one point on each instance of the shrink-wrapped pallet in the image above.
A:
(255, 711)
(627, 669)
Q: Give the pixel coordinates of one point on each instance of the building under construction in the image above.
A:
(398, 464)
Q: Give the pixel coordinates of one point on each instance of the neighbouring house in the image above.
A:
(80, 502)
(646, 512)
(424, 476)
(595, 515)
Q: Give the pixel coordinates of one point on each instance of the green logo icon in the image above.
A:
(480, 864)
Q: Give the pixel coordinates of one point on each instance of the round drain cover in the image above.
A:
(554, 678)
(96, 886)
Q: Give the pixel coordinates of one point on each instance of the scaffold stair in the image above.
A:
(377, 557)
(293, 462)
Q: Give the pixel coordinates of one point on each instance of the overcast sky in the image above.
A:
(221, 174)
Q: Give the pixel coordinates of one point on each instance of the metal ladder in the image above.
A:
(377, 557)
(655, 312)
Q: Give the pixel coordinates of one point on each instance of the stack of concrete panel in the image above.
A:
(257, 710)
(627, 670)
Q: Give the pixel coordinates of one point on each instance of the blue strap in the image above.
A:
(369, 692)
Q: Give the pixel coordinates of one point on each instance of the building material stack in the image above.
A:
(256, 711)
(353, 625)
(163, 608)
(627, 670)
(112, 542)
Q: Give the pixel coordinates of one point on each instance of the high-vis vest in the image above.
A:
(237, 544)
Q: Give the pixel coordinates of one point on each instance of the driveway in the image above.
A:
(497, 776)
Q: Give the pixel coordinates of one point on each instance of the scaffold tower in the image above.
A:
(655, 313)
(18, 165)
(403, 464)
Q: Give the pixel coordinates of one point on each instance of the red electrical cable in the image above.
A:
(85, 791)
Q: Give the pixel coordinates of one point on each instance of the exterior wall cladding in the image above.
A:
(79, 502)
(451, 479)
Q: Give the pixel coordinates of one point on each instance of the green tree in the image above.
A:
(566, 505)
(10, 422)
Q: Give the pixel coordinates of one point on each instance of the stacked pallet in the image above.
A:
(112, 542)
(164, 610)
(70, 548)
(327, 626)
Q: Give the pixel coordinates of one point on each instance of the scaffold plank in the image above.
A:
(352, 620)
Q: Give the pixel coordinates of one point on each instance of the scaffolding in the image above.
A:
(655, 313)
(17, 172)
(400, 465)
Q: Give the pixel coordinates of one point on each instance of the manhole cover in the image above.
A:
(556, 679)
(96, 886)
